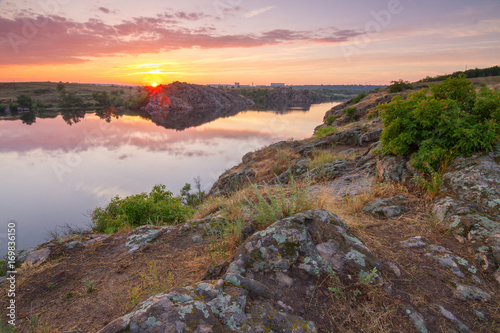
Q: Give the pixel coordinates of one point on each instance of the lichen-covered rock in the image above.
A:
(394, 169)
(470, 206)
(389, 207)
(476, 180)
(294, 171)
(328, 171)
(232, 182)
(266, 267)
(144, 235)
(370, 137)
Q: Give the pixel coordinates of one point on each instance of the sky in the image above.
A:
(251, 42)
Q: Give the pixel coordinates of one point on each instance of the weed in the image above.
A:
(350, 111)
(151, 283)
(89, 285)
(275, 203)
(322, 132)
(330, 119)
(322, 157)
(69, 295)
(51, 286)
(358, 98)
(367, 278)
(282, 160)
(7, 328)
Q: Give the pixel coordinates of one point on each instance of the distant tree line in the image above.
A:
(470, 74)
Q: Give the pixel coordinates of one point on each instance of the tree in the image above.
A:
(25, 101)
(60, 86)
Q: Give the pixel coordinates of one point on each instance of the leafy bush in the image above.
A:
(322, 132)
(350, 111)
(358, 98)
(400, 85)
(25, 101)
(330, 119)
(159, 207)
(436, 125)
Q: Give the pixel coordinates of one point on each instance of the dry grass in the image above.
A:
(321, 157)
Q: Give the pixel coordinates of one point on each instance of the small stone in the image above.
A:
(417, 241)
(73, 244)
(470, 292)
(197, 238)
(448, 315)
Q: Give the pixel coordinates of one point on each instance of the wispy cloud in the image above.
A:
(59, 40)
(259, 11)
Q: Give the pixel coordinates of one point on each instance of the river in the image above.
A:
(55, 174)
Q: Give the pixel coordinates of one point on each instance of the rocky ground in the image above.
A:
(375, 253)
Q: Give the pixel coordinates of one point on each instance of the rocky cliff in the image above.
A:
(371, 252)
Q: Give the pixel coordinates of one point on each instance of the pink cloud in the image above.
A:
(30, 39)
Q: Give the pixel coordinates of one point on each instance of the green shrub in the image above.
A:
(400, 85)
(322, 132)
(330, 119)
(350, 111)
(159, 207)
(436, 125)
(358, 98)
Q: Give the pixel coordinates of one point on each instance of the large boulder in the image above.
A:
(469, 206)
(267, 284)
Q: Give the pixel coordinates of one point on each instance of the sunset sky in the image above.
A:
(227, 41)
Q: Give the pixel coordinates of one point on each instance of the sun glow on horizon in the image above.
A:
(154, 84)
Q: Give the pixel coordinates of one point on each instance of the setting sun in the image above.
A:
(154, 84)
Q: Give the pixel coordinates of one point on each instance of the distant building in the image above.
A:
(276, 85)
(236, 84)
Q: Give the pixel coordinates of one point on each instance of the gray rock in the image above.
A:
(394, 169)
(297, 169)
(464, 292)
(370, 137)
(389, 207)
(232, 182)
(38, 256)
(417, 319)
(73, 244)
(470, 205)
(448, 315)
(144, 235)
(417, 241)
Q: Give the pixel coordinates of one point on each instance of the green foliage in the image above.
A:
(7, 328)
(358, 98)
(89, 285)
(350, 111)
(159, 207)
(69, 99)
(60, 86)
(3, 267)
(400, 85)
(330, 119)
(69, 295)
(470, 73)
(436, 125)
(322, 132)
(24, 101)
(193, 199)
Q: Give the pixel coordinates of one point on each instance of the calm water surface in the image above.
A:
(54, 174)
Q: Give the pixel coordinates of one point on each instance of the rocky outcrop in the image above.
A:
(267, 284)
(182, 105)
(232, 182)
(470, 206)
